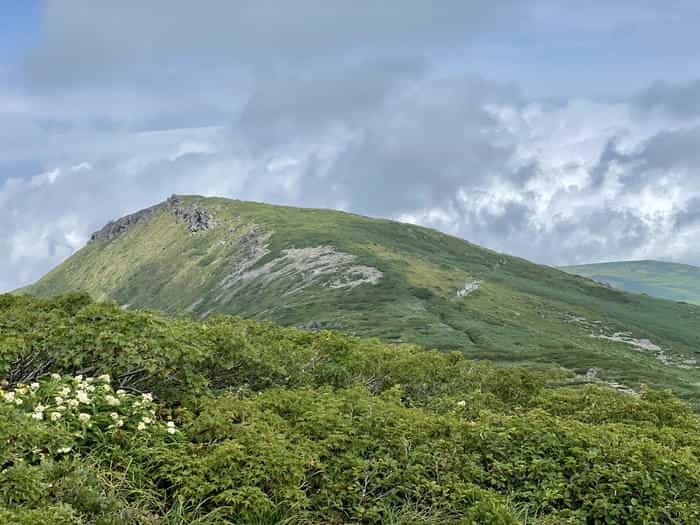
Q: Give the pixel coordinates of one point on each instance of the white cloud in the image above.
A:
(44, 178)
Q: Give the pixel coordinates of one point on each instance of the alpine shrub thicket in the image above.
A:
(116, 417)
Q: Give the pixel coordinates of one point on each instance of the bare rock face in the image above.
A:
(469, 288)
(197, 219)
(315, 326)
(303, 267)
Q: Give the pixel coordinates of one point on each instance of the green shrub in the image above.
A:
(254, 424)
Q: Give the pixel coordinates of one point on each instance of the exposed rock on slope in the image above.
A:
(469, 288)
(196, 218)
(321, 265)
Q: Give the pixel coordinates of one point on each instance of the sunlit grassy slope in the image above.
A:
(522, 312)
(677, 282)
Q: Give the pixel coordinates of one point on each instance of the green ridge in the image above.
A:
(522, 313)
(673, 281)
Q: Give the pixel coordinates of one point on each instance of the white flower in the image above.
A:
(34, 386)
(461, 403)
(147, 398)
(55, 416)
(78, 378)
(147, 420)
(171, 427)
(90, 388)
(64, 450)
(38, 416)
(56, 376)
(58, 400)
(73, 403)
(104, 378)
(18, 401)
(90, 380)
(83, 417)
(120, 422)
(39, 408)
(82, 396)
(112, 401)
(9, 397)
(105, 388)
(114, 415)
(141, 426)
(121, 392)
(65, 391)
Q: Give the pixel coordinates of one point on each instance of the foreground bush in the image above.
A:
(115, 417)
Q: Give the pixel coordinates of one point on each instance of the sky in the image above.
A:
(557, 130)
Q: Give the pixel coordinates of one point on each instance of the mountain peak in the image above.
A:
(398, 282)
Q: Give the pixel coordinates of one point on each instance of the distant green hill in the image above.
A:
(677, 282)
(399, 282)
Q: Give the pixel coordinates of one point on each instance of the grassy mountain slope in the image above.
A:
(673, 281)
(380, 278)
(134, 418)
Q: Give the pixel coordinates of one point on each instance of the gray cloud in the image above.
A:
(680, 99)
(84, 39)
(287, 105)
(419, 148)
(689, 215)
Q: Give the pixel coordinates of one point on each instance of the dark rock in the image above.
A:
(592, 373)
(197, 218)
(315, 326)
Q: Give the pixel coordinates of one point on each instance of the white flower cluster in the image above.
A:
(84, 402)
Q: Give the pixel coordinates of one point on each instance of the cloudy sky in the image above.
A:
(558, 130)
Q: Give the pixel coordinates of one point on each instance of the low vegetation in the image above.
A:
(120, 417)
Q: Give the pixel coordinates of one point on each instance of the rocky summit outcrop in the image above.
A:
(197, 219)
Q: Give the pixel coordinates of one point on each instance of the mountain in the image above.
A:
(399, 282)
(673, 281)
